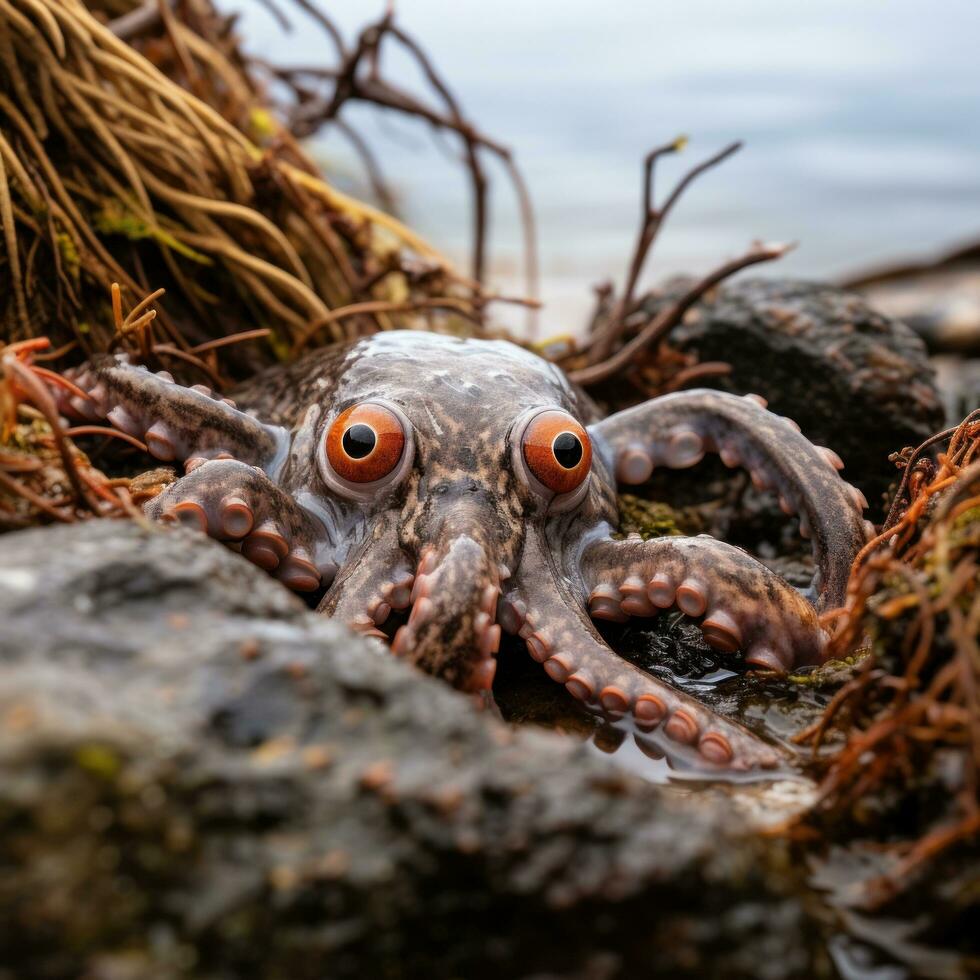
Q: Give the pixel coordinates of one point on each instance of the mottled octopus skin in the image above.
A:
(464, 541)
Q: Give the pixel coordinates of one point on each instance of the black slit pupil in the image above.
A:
(568, 450)
(359, 440)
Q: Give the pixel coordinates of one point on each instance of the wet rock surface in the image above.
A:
(852, 378)
(198, 777)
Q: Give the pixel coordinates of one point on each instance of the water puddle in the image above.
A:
(672, 650)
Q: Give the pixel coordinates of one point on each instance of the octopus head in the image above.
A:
(450, 454)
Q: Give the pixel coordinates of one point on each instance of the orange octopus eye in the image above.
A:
(365, 443)
(557, 451)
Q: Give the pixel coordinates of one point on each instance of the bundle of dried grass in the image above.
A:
(110, 171)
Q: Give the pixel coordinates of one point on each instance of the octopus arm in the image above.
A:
(452, 630)
(375, 578)
(175, 422)
(741, 604)
(543, 609)
(677, 430)
(240, 505)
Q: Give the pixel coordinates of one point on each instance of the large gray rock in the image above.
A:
(852, 378)
(198, 777)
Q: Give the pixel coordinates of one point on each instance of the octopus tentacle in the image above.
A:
(375, 579)
(560, 636)
(237, 503)
(676, 430)
(741, 604)
(177, 423)
(452, 630)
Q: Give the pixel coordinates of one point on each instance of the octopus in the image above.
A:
(465, 487)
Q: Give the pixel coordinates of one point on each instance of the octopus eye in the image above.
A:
(557, 451)
(365, 443)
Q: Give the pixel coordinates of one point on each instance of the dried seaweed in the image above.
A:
(44, 476)
(910, 715)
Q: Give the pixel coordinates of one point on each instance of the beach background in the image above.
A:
(861, 122)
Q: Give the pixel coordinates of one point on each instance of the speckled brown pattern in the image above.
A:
(463, 538)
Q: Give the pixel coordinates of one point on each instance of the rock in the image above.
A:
(198, 777)
(852, 378)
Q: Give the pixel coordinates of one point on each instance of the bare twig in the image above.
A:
(662, 324)
(358, 78)
(139, 21)
(458, 305)
(601, 343)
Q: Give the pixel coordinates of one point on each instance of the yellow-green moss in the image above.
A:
(114, 219)
(832, 673)
(647, 518)
(262, 125)
(98, 759)
(71, 261)
(280, 347)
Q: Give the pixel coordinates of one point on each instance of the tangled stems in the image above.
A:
(609, 350)
(915, 591)
(43, 475)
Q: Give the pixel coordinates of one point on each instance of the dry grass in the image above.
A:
(111, 171)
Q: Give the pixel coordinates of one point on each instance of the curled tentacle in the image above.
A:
(560, 636)
(177, 423)
(742, 605)
(238, 503)
(677, 430)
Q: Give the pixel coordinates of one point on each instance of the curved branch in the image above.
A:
(662, 324)
(601, 342)
(358, 79)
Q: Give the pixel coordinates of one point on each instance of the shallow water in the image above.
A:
(671, 649)
(862, 123)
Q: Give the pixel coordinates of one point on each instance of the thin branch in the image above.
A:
(461, 306)
(358, 78)
(139, 21)
(379, 186)
(35, 500)
(329, 28)
(235, 338)
(661, 325)
(697, 372)
(901, 495)
(652, 220)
